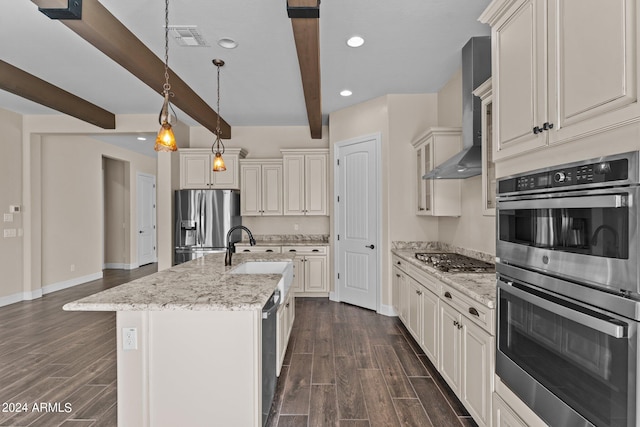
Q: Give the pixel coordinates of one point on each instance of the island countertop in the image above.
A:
(202, 284)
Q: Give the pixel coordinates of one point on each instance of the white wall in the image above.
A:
(72, 205)
(11, 194)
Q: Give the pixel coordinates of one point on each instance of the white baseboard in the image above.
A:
(28, 296)
(71, 282)
(119, 266)
(387, 310)
(333, 297)
(10, 299)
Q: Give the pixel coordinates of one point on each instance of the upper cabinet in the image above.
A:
(562, 70)
(437, 197)
(305, 181)
(488, 165)
(260, 187)
(196, 169)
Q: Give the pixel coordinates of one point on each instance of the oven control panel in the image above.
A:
(583, 174)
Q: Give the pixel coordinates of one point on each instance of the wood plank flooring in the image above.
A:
(350, 367)
(345, 366)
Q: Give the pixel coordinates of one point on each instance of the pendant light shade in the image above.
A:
(166, 140)
(218, 147)
(218, 163)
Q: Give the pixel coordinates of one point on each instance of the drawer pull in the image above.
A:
(315, 250)
(269, 250)
(292, 250)
(397, 275)
(399, 263)
(473, 311)
(448, 295)
(287, 305)
(246, 250)
(419, 292)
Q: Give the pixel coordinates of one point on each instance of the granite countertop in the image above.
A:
(199, 285)
(481, 287)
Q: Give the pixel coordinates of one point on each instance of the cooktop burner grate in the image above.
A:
(455, 263)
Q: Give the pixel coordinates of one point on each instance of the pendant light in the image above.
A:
(166, 141)
(218, 147)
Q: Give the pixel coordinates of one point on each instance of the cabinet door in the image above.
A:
(294, 192)
(592, 65)
(503, 416)
(395, 291)
(271, 189)
(519, 69)
(477, 372)
(429, 318)
(403, 293)
(251, 190)
(195, 170)
(415, 307)
(450, 343)
(315, 272)
(315, 184)
(297, 285)
(229, 178)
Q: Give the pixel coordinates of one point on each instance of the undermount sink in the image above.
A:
(261, 267)
(284, 268)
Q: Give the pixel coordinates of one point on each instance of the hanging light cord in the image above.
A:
(218, 142)
(166, 88)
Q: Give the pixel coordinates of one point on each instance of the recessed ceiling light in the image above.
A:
(141, 138)
(346, 92)
(228, 43)
(355, 41)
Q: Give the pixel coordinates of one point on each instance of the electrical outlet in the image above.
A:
(8, 217)
(72, 267)
(296, 227)
(129, 339)
(10, 232)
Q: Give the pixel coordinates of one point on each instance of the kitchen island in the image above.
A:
(189, 342)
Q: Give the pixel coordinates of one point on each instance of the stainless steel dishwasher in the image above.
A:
(269, 327)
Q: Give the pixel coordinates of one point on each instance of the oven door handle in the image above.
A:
(608, 328)
(603, 201)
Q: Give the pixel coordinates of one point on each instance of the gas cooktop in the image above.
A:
(455, 263)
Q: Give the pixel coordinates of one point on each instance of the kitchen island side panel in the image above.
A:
(191, 368)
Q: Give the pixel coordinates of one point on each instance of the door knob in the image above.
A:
(140, 231)
(370, 246)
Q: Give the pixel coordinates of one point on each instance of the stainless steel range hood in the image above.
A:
(476, 69)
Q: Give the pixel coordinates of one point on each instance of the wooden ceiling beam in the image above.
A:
(306, 32)
(100, 28)
(25, 85)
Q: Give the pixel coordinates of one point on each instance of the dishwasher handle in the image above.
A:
(271, 306)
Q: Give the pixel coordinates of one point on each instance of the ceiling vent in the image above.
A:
(187, 35)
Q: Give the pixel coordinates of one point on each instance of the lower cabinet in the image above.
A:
(286, 315)
(311, 270)
(503, 416)
(246, 248)
(455, 332)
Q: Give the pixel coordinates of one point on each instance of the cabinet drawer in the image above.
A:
(476, 312)
(426, 280)
(243, 248)
(306, 250)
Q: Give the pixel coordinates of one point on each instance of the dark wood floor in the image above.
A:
(345, 366)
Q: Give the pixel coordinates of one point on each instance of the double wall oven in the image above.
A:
(569, 291)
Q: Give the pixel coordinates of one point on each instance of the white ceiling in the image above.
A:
(411, 46)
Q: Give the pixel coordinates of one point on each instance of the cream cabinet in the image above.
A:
(485, 94)
(455, 332)
(503, 415)
(260, 187)
(562, 70)
(245, 247)
(305, 182)
(285, 317)
(437, 197)
(196, 169)
(311, 270)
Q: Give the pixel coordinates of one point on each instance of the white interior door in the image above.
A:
(357, 221)
(146, 188)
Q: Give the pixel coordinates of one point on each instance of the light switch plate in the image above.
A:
(14, 208)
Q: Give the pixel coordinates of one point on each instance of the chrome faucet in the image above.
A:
(231, 246)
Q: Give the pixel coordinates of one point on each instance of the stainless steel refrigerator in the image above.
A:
(203, 218)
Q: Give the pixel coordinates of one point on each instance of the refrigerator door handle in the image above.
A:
(200, 218)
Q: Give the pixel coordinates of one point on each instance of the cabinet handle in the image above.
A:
(547, 126)
(419, 292)
(397, 275)
(269, 250)
(459, 325)
(536, 130)
(399, 263)
(292, 250)
(455, 323)
(448, 295)
(287, 305)
(473, 311)
(315, 250)
(246, 250)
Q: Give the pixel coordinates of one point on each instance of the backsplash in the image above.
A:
(288, 237)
